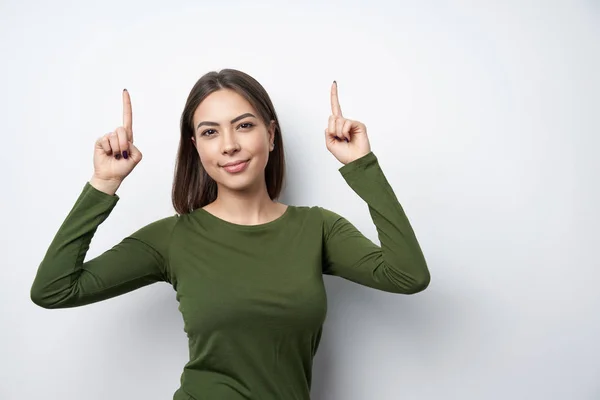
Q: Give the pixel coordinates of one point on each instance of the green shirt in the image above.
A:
(252, 296)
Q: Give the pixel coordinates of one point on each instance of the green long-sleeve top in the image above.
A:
(252, 296)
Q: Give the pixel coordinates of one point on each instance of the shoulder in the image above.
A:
(321, 215)
(157, 230)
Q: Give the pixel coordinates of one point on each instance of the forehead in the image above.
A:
(222, 105)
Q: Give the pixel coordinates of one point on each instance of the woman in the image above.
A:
(247, 270)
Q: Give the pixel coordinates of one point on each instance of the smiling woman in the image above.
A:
(247, 270)
(228, 119)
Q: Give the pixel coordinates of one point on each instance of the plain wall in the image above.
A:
(484, 115)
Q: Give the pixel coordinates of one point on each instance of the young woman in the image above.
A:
(247, 270)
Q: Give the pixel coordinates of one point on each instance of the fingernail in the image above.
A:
(124, 90)
(118, 156)
(335, 82)
(125, 155)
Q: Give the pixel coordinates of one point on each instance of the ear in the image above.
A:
(272, 128)
(193, 139)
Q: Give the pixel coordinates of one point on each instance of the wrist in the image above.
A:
(108, 186)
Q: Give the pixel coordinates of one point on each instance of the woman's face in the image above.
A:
(232, 141)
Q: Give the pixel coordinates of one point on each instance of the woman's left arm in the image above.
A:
(398, 264)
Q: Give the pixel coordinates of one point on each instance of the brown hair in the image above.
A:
(193, 188)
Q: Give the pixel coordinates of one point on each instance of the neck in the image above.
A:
(244, 207)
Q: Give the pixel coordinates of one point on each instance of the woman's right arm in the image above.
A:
(64, 279)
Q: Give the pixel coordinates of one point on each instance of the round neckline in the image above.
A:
(221, 221)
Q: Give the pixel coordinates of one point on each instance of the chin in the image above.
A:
(246, 186)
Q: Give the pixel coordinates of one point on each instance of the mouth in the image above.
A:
(235, 166)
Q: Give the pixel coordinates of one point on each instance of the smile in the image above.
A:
(236, 167)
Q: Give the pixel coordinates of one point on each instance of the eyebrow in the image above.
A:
(233, 121)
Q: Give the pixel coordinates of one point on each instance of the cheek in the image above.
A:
(258, 144)
(206, 150)
(207, 158)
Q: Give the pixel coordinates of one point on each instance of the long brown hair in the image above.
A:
(193, 188)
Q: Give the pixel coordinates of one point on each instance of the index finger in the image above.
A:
(127, 115)
(335, 103)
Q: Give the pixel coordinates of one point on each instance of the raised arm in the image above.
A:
(397, 264)
(63, 278)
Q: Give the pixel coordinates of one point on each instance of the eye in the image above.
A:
(246, 125)
(207, 132)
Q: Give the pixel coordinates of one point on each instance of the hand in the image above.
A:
(115, 156)
(346, 139)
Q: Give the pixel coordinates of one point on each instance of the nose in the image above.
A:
(230, 143)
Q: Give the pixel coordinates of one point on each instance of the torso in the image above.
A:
(253, 302)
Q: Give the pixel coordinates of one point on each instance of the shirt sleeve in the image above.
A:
(398, 264)
(64, 279)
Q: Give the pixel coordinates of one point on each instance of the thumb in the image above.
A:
(134, 153)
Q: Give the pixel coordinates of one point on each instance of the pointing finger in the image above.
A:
(331, 126)
(127, 115)
(335, 103)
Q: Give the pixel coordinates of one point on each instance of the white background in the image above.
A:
(484, 115)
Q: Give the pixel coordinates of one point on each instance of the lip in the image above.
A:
(235, 166)
(232, 163)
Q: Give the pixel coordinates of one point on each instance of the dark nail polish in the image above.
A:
(118, 156)
(125, 155)
(335, 82)
(124, 90)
